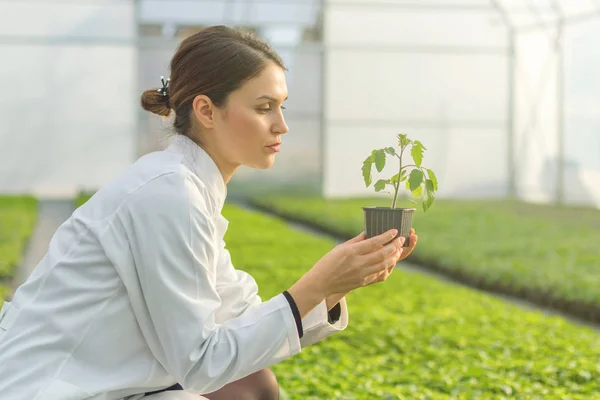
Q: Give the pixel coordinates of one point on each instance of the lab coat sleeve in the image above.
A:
(237, 289)
(240, 291)
(316, 325)
(172, 239)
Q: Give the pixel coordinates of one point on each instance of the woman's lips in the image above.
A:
(274, 147)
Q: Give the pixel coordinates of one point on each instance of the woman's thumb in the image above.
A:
(362, 236)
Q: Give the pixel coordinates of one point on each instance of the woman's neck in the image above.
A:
(227, 170)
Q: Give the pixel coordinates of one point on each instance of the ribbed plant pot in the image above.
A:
(381, 219)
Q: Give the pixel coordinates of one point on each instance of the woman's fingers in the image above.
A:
(374, 243)
(382, 253)
(387, 263)
(380, 277)
(359, 238)
(413, 243)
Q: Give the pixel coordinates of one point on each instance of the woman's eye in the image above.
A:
(266, 110)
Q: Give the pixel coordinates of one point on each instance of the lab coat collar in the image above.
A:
(203, 166)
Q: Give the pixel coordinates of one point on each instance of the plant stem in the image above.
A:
(398, 182)
(410, 165)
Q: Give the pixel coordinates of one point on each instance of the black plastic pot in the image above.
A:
(381, 219)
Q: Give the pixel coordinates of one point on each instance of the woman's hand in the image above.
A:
(412, 243)
(357, 262)
(383, 275)
(347, 266)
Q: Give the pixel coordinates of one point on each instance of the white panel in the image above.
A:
(582, 119)
(282, 12)
(221, 11)
(381, 26)
(430, 4)
(303, 80)
(536, 118)
(579, 7)
(181, 11)
(582, 90)
(70, 118)
(283, 35)
(467, 162)
(108, 19)
(538, 14)
(384, 86)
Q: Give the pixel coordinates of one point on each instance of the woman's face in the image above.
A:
(250, 126)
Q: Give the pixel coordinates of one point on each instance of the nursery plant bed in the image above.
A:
(506, 247)
(18, 215)
(414, 337)
(4, 289)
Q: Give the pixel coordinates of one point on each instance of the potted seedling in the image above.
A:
(419, 181)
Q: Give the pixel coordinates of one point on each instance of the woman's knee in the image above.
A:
(266, 385)
(261, 385)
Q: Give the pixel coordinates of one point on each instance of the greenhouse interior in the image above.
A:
(498, 300)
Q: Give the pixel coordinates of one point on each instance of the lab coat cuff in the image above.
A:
(334, 314)
(290, 324)
(317, 325)
(295, 311)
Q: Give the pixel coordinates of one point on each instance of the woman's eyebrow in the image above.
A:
(268, 97)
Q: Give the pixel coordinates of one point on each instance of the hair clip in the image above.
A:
(164, 90)
(165, 86)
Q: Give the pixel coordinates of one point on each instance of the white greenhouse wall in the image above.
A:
(582, 113)
(68, 94)
(421, 73)
(395, 68)
(440, 73)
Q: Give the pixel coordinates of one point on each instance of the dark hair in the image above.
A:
(215, 62)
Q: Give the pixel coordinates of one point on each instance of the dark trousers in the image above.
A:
(176, 386)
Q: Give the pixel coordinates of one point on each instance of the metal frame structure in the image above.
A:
(553, 29)
(559, 23)
(549, 17)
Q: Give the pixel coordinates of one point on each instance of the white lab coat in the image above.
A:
(137, 292)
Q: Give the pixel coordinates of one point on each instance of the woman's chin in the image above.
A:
(269, 163)
(265, 163)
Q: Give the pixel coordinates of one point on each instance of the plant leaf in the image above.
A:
(366, 171)
(403, 140)
(379, 160)
(403, 175)
(418, 143)
(417, 153)
(390, 150)
(428, 197)
(418, 191)
(428, 201)
(394, 179)
(429, 186)
(415, 179)
(433, 178)
(380, 185)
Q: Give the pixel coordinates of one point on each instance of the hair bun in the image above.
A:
(155, 102)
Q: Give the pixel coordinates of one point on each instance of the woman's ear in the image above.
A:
(204, 111)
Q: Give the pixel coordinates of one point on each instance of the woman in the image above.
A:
(137, 296)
